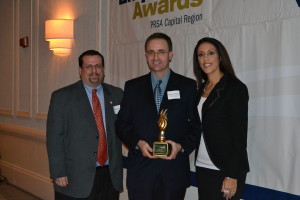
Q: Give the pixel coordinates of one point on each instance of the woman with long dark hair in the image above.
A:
(221, 158)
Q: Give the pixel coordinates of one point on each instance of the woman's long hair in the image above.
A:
(225, 63)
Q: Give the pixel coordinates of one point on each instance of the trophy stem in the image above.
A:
(161, 136)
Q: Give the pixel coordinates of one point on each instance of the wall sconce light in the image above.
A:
(59, 33)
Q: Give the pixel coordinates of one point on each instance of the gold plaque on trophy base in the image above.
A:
(161, 147)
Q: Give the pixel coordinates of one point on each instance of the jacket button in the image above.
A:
(97, 137)
(95, 153)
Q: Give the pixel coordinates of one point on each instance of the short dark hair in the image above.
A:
(225, 63)
(160, 36)
(90, 53)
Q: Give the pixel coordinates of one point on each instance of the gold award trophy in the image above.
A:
(161, 147)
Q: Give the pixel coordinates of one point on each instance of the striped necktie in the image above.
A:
(158, 95)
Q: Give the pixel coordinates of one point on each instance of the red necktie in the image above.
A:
(102, 147)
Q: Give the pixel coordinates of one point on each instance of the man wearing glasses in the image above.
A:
(158, 177)
(85, 155)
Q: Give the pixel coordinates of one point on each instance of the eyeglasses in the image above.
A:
(89, 67)
(159, 53)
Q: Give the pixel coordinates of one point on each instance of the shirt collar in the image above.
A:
(164, 79)
(89, 89)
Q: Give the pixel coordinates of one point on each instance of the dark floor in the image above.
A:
(10, 192)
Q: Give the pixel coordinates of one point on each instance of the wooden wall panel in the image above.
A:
(7, 56)
(24, 66)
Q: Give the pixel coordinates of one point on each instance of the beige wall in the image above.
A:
(29, 75)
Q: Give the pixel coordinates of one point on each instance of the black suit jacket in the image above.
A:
(137, 120)
(72, 138)
(224, 124)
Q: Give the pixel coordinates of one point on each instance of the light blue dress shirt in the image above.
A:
(163, 84)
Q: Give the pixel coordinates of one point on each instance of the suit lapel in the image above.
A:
(108, 104)
(109, 113)
(171, 85)
(85, 105)
(147, 91)
(215, 94)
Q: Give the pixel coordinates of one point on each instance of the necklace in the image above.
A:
(207, 91)
(212, 85)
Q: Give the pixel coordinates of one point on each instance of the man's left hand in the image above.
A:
(175, 149)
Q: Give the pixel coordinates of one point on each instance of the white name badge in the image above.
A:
(173, 94)
(116, 109)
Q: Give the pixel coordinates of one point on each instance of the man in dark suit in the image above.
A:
(150, 177)
(85, 155)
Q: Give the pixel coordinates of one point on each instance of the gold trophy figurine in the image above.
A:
(161, 147)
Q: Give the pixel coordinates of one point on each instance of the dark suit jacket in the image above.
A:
(72, 138)
(137, 120)
(224, 124)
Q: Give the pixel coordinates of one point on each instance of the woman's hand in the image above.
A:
(229, 187)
